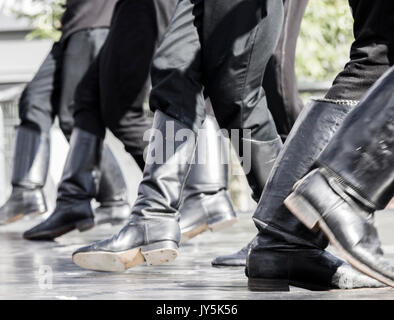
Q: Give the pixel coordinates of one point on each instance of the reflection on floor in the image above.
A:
(44, 270)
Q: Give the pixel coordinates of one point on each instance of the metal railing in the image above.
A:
(9, 98)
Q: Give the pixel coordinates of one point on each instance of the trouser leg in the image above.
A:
(177, 97)
(284, 103)
(280, 82)
(372, 52)
(37, 107)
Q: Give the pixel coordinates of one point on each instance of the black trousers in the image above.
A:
(220, 48)
(113, 91)
(280, 82)
(51, 92)
(372, 52)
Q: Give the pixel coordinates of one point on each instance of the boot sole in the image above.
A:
(154, 254)
(311, 218)
(81, 226)
(22, 215)
(214, 227)
(283, 285)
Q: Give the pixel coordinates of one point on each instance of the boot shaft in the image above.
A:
(209, 172)
(310, 135)
(31, 158)
(361, 154)
(112, 187)
(170, 154)
(81, 172)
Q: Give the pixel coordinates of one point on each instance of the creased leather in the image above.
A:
(160, 191)
(352, 226)
(262, 158)
(78, 184)
(138, 232)
(205, 196)
(304, 266)
(310, 135)
(362, 151)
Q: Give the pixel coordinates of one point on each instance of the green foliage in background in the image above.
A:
(325, 38)
(322, 49)
(46, 23)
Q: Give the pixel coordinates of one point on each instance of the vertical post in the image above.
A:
(3, 182)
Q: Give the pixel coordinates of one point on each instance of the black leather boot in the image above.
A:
(355, 177)
(114, 207)
(285, 252)
(153, 232)
(207, 204)
(31, 162)
(78, 186)
(262, 158)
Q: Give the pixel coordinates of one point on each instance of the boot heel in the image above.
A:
(303, 211)
(85, 225)
(160, 252)
(223, 224)
(268, 285)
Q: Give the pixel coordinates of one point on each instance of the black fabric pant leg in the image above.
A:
(114, 90)
(177, 82)
(280, 82)
(80, 50)
(40, 99)
(372, 52)
(239, 39)
(221, 47)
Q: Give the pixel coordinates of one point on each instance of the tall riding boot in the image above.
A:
(112, 195)
(285, 252)
(31, 162)
(262, 159)
(153, 232)
(78, 186)
(207, 204)
(355, 177)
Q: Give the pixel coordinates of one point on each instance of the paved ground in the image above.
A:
(44, 270)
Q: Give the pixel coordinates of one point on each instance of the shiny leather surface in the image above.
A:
(210, 169)
(352, 226)
(81, 172)
(208, 209)
(21, 202)
(65, 218)
(139, 231)
(159, 193)
(78, 185)
(112, 188)
(206, 199)
(310, 135)
(237, 259)
(31, 160)
(262, 158)
(362, 151)
(305, 267)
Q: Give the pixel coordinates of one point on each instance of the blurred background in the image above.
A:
(29, 27)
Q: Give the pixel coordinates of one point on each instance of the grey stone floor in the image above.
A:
(44, 270)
